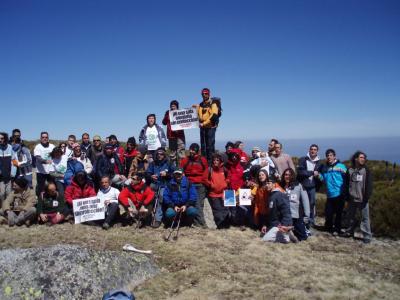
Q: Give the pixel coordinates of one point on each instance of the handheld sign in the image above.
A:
(88, 209)
(229, 198)
(244, 197)
(183, 119)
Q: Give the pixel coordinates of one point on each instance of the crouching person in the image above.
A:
(180, 196)
(81, 187)
(136, 201)
(51, 205)
(280, 218)
(109, 196)
(19, 206)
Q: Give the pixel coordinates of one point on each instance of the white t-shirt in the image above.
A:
(59, 165)
(153, 142)
(68, 152)
(111, 195)
(44, 153)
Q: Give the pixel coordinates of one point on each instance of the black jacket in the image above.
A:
(279, 209)
(303, 175)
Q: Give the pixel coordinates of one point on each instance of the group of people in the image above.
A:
(148, 183)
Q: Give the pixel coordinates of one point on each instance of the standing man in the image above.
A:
(86, 145)
(152, 135)
(7, 168)
(281, 160)
(360, 190)
(307, 173)
(195, 167)
(271, 146)
(176, 139)
(208, 112)
(43, 161)
(334, 176)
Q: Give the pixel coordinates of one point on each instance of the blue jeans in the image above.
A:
(190, 212)
(207, 142)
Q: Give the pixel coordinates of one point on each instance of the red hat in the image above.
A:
(205, 91)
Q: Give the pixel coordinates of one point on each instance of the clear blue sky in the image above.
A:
(282, 68)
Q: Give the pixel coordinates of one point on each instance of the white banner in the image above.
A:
(88, 209)
(184, 119)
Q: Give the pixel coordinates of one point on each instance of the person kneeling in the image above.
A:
(136, 201)
(51, 205)
(180, 196)
(109, 196)
(280, 218)
(19, 206)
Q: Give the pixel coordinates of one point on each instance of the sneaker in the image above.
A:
(308, 233)
(156, 224)
(106, 226)
(346, 234)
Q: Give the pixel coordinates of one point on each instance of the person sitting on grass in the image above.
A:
(280, 218)
(180, 196)
(81, 187)
(19, 206)
(136, 201)
(51, 205)
(109, 196)
(299, 203)
(77, 162)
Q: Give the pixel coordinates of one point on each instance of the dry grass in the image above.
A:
(231, 264)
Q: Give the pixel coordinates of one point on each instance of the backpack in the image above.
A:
(216, 101)
(118, 295)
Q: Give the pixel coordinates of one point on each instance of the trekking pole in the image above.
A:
(175, 238)
(153, 214)
(171, 229)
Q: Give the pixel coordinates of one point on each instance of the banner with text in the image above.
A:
(88, 209)
(184, 119)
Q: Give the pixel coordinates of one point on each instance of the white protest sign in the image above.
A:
(184, 119)
(244, 197)
(88, 209)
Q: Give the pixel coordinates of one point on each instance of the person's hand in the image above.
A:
(177, 209)
(43, 217)
(15, 163)
(163, 173)
(106, 202)
(201, 125)
(316, 173)
(143, 210)
(264, 229)
(183, 208)
(49, 161)
(130, 209)
(122, 177)
(284, 229)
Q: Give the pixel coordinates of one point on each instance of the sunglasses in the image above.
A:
(96, 140)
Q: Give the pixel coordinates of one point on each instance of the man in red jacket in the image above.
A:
(136, 200)
(176, 139)
(195, 168)
(80, 187)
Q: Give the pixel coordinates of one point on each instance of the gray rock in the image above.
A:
(69, 272)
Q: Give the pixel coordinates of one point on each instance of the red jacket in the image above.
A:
(120, 152)
(217, 182)
(235, 175)
(172, 134)
(139, 195)
(196, 169)
(74, 191)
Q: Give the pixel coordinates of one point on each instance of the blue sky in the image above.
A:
(288, 69)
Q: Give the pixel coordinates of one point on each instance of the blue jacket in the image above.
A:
(334, 177)
(156, 167)
(73, 167)
(7, 169)
(180, 194)
(279, 209)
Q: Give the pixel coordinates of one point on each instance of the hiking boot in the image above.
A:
(156, 224)
(366, 241)
(106, 226)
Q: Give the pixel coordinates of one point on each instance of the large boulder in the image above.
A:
(69, 272)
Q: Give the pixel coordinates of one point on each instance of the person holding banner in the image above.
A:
(176, 138)
(80, 187)
(136, 200)
(152, 135)
(208, 121)
(109, 195)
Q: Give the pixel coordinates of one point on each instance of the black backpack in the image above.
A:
(217, 101)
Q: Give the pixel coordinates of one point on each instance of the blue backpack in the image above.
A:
(118, 295)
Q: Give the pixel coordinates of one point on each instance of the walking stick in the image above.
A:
(175, 238)
(171, 229)
(153, 213)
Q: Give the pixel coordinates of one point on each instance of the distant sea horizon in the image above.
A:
(376, 148)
